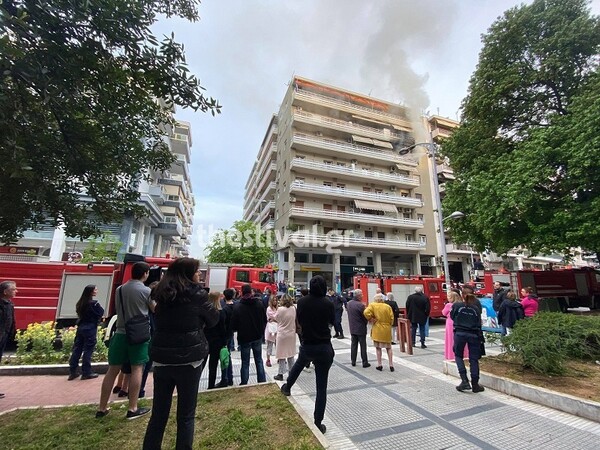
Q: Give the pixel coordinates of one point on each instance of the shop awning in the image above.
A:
(364, 140)
(375, 206)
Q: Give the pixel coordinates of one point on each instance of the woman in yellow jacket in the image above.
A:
(381, 317)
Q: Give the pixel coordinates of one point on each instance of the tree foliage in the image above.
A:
(243, 243)
(527, 154)
(79, 111)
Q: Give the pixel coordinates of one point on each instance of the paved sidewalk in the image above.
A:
(415, 407)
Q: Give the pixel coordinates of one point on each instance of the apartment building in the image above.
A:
(336, 181)
(166, 229)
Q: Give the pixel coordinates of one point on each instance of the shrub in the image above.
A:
(545, 341)
(37, 344)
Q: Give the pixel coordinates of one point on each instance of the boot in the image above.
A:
(464, 385)
(476, 386)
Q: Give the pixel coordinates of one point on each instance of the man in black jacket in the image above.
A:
(249, 319)
(498, 296)
(315, 313)
(338, 305)
(418, 307)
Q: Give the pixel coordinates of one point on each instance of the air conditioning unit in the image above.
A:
(357, 226)
(393, 169)
(318, 133)
(393, 188)
(292, 199)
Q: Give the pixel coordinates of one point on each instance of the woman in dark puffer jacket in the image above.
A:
(178, 349)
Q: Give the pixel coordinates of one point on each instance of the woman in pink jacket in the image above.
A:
(529, 301)
(449, 341)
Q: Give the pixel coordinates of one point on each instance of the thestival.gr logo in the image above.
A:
(332, 241)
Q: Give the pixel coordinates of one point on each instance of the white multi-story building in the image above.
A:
(335, 181)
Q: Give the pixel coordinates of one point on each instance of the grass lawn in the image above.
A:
(256, 417)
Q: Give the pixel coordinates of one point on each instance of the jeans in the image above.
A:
(413, 329)
(357, 339)
(85, 342)
(166, 378)
(256, 347)
(321, 356)
(472, 341)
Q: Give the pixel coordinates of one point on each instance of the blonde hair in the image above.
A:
(215, 299)
(454, 297)
(287, 301)
(511, 295)
(378, 298)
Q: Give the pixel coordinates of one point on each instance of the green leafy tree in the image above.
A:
(527, 154)
(104, 249)
(79, 83)
(243, 243)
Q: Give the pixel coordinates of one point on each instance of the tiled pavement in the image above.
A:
(415, 407)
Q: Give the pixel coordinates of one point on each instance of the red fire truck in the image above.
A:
(571, 287)
(49, 291)
(402, 287)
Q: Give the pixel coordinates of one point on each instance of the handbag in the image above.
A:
(224, 358)
(137, 329)
(272, 328)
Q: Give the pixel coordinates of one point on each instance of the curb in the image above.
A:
(587, 409)
(47, 369)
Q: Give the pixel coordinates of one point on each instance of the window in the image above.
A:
(368, 234)
(300, 179)
(300, 157)
(286, 255)
(341, 186)
(419, 197)
(327, 183)
(299, 203)
(347, 259)
(423, 239)
(407, 215)
(420, 217)
(265, 277)
(433, 287)
(173, 198)
(408, 237)
(369, 260)
(341, 209)
(301, 257)
(328, 162)
(379, 191)
(243, 276)
(321, 259)
(380, 235)
(341, 164)
(300, 227)
(327, 207)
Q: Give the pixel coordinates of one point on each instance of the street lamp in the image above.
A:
(431, 148)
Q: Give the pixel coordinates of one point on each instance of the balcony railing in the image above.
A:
(349, 127)
(335, 192)
(303, 238)
(372, 176)
(354, 217)
(335, 102)
(347, 148)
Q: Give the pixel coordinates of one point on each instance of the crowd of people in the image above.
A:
(188, 328)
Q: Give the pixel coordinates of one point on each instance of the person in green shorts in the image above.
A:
(135, 298)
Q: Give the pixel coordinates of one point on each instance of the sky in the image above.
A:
(245, 52)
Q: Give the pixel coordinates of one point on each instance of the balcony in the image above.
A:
(337, 103)
(175, 204)
(338, 148)
(256, 202)
(170, 226)
(460, 248)
(318, 168)
(177, 180)
(355, 218)
(180, 167)
(158, 193)
(305, 239)
(180, 144)
(315, 190)
(344, 126)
